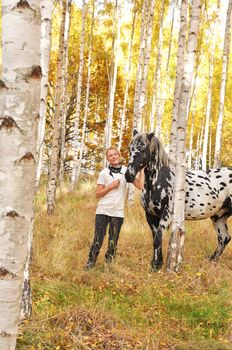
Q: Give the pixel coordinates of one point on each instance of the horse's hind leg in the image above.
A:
(222, 233)
(157, 259)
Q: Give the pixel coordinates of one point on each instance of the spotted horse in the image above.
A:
(208, 194)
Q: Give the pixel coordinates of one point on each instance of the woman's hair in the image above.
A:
(113, 148)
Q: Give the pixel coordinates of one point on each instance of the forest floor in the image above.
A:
(123, 305)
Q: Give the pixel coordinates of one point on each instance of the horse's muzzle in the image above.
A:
(129, 177)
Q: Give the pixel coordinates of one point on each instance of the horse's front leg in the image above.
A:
(157, 260)
(164, 223)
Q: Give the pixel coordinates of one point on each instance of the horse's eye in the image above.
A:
(141, 147)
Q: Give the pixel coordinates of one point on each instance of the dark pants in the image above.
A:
(101, 224)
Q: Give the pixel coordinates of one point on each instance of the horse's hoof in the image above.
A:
(156, 268)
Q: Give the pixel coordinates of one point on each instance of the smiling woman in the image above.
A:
(111, 189)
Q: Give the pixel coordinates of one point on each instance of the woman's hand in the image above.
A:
(115, 184)
(102, 190)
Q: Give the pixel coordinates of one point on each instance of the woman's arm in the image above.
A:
(102, 190)
(139, 181)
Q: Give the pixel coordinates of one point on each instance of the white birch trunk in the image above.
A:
(45, 43)
(157, 80)
(199, 149)
(140, 96)
(209, 94)
(64, 95)
(78, 103)
(178, 228)
(196, 166)
(19, 106)
(171, 37)
(191, 141)
(54, 159)
(122, 125)
(137, 124)
(112, 76)
(147, 55)
(179, 73)
(87, 95)
(225, 62)
(210, 142)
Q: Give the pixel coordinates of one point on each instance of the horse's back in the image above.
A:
(207, 192)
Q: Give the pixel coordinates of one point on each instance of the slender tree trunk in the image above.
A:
(78, 104)
(178, 229)
(191, 136)
(46, 28)
(209, 94)
(19, 111)
(199, 150)
(64, 95)
(210, 142)
(54, 159)
(122, 125)
(157, 79)
(171, 37)
(112, 76)
(87, 95)
(179, 73)
(146, 60)
(140, 96)
(225, 63)
(143, 63)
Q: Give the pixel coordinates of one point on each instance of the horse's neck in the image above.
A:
(154, 168)
(152, 171)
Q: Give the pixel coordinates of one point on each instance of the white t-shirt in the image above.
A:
(112, 204)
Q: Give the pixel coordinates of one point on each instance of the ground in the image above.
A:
(123, 305)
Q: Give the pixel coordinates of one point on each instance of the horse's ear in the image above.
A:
(150, 136)
(135, 132)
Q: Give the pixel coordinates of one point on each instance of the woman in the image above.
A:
(111, 189)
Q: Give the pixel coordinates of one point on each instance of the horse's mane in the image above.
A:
(156, 146)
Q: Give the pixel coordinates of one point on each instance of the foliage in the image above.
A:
(99, 85)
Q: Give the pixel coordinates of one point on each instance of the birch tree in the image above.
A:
(157, 79)
(225, 62)
(179, 74)
(127, 83)
(19, 111)
(78, 103)
(54, 159)
(64, 93)
(178, 229)
(171, 35)
(46, 27)
(86, 110)
(112, 76)
(140, 95)
(210, 86)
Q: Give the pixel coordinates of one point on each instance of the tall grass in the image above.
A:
(123, 305)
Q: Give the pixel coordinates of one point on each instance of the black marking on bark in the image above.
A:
(36, 72)
(2, 85)
(5, 274)
(12, 214)
(5, 334)
(23, 5)
(27, 158)
(9, 123)
(37, 117)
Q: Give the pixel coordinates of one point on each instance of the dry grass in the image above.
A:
(123, 305)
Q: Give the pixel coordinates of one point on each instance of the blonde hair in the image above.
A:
(112, 148)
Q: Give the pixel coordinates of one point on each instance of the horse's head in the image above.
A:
(139, 154)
